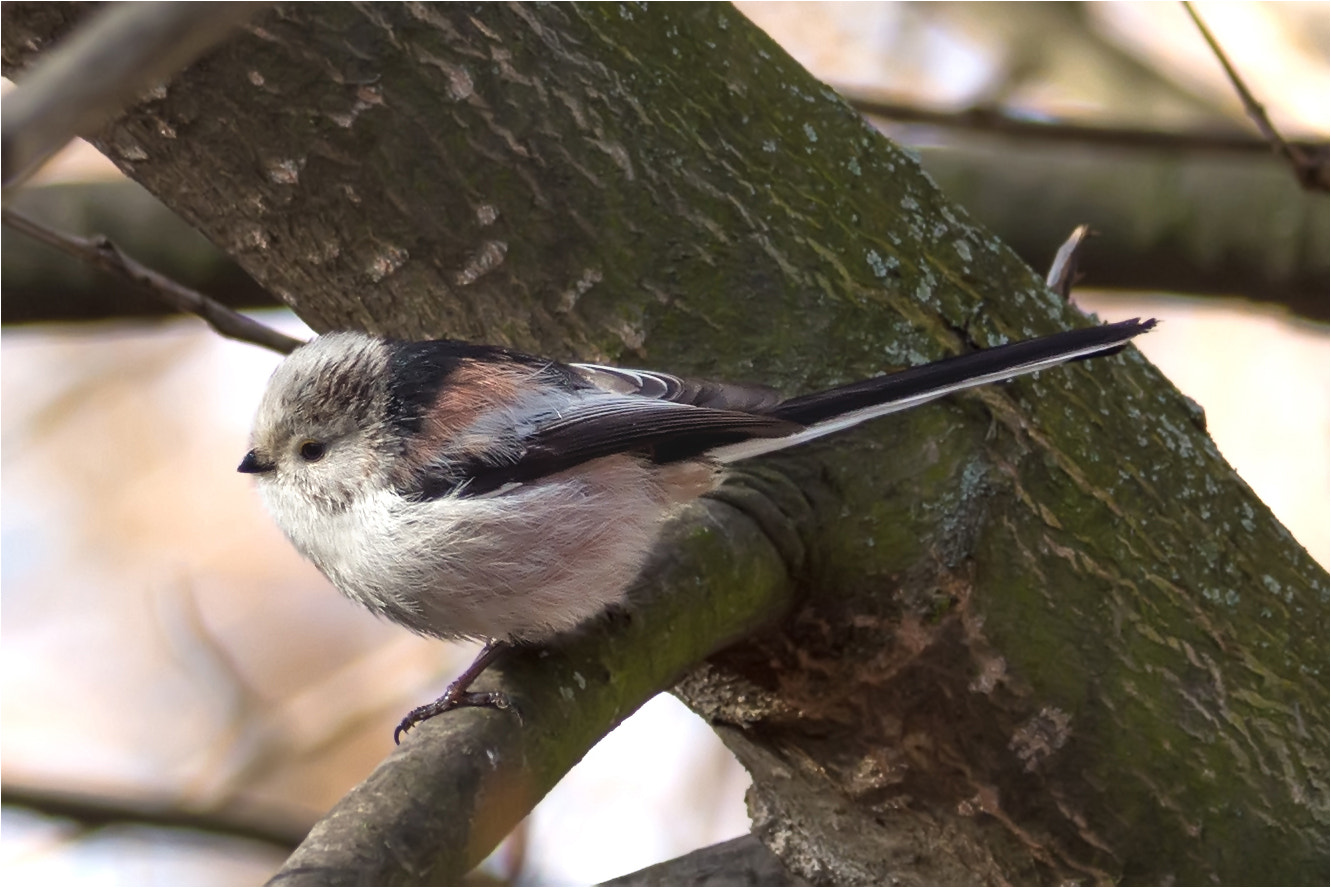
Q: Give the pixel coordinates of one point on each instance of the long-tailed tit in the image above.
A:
(470, 491)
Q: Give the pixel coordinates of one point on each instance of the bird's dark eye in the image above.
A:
(312, 451)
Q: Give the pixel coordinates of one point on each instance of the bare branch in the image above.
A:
(123, 51)
(102, 253)
(999, 122)
(1311, 173)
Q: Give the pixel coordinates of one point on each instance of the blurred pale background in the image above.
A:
(164, 648)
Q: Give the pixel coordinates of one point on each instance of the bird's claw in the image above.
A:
(449, 701)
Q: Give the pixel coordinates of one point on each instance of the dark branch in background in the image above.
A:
(1309, 169)
(101, 68)
(92, 812)
(100, 252)
(996, 121)
(42, 285)
(1204, 225)
(1063, 270)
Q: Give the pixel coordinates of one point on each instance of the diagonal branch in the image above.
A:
(100, 252)
(1311, 173)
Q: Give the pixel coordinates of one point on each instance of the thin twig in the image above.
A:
(99, 251)
(1309, 172)
(104, 65)
(1063, 270)
(994, 120)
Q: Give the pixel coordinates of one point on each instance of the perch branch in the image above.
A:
(459, 783)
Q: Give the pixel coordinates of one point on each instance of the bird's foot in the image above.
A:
(458, 695)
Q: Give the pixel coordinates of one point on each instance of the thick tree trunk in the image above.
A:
(1047, 635)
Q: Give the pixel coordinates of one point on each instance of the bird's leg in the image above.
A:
(457, 694)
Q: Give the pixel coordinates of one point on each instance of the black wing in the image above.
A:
(663, 431)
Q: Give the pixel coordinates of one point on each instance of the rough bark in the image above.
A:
(1048, 635)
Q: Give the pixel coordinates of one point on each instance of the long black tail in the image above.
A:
(823, 413)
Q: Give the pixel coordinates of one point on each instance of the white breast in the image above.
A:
(520, 565)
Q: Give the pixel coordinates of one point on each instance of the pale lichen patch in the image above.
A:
(876, 264)
(388, 260)
(253, 237)
(131, 152)
(1041, 736)
(569, 297)
(488, 257)
(285, 171)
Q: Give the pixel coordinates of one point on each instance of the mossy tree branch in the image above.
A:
(1048, 635)
(443, 800)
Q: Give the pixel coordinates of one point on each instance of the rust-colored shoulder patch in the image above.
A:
(472, 389)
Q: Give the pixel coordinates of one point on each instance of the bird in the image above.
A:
(470, 491)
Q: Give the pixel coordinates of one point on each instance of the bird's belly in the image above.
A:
(523, 565)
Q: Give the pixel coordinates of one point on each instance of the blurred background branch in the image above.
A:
(124, 51)
(1309, 163)
(95, 812)
(998, 122)
(100, 252)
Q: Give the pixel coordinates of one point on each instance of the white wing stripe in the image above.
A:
(758, 446)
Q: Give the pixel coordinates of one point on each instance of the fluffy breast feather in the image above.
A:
(521, 565)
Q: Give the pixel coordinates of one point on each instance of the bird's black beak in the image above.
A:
(251, 465)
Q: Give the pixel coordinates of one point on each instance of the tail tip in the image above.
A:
(1136, 326)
